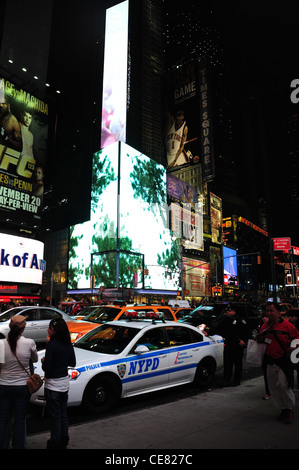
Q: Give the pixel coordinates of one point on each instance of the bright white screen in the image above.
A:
(114, 106)
(20, 259)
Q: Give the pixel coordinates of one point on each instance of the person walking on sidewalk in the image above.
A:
(236, 333)
(278, 335)
(58, 357)
(14, 393)
(267, 395)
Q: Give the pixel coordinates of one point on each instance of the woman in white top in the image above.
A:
(14, 394)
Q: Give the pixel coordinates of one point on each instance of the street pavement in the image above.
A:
(221, 418)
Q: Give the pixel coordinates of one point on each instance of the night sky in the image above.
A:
(261, 43)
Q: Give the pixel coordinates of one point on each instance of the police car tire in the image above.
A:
(101, 394)
(205, 372)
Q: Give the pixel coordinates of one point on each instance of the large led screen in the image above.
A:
(23, 151)
(114, 105)
(230, 271)
(138, 216)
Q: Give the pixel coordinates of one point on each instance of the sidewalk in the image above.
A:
(224, 418)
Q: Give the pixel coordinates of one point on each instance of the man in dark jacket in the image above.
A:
(235, 333)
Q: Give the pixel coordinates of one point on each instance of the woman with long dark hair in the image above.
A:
(58, 357)
(14, 394)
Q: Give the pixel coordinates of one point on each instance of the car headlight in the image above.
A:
(75, 336)
(73, 374)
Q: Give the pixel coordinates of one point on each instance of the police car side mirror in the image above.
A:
(141, 349)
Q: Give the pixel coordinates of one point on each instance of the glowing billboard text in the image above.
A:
(21, 259)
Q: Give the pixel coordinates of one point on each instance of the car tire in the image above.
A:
(205, 372)
(101, 394)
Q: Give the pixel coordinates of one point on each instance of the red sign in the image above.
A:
(281, 244)
(296, 250)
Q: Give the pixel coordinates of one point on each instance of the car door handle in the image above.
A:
(196, 349)
(162, 355)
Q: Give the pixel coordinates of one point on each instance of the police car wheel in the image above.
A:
(205, 372)
(101, 394)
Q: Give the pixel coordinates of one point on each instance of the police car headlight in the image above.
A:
(73, 374)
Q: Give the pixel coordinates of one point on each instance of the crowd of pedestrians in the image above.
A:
(280, 338)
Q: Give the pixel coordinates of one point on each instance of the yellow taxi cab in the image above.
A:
(100, 314)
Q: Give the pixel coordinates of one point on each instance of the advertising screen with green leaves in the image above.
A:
(128, 213)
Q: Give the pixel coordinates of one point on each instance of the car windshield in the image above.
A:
(199, 311)
(107, 339)
(10, 313)
(203, 311)
(86, 311)
(102, 314)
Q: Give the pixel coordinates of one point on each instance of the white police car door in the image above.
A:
(185, 353)
(148, 370)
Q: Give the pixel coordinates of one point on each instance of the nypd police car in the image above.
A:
(129, 357)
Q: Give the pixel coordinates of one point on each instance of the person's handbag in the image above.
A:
(34, 382)
(255, 352)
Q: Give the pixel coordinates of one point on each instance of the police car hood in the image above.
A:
(85, 357)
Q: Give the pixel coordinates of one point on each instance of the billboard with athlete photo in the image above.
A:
(188, 133)
(181, 127)
(23, 152)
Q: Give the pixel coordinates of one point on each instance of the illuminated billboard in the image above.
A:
(182, 132)
(21, 260)
(216, 218)
(230, 271)
(129, 212)
(188, 128)
(114, 104)
(188, 225)
(23, 151)
(196, 278)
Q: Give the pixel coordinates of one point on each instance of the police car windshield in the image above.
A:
(107, 339)
(102, 314)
